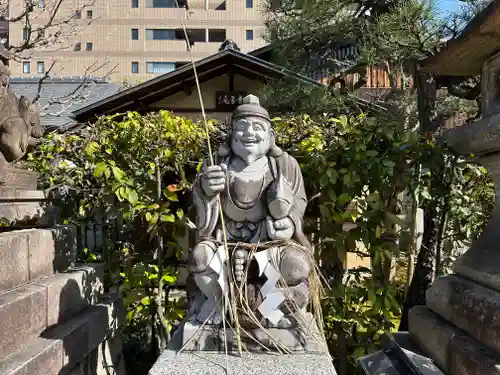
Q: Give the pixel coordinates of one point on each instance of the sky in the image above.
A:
(447, 6)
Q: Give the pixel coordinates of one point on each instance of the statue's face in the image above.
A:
(251, 138)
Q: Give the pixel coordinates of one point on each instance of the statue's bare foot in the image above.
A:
(240, 259)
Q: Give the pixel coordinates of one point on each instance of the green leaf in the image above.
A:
(169, 279)
(148, 216)
(171, 195)
(389, 163)
(323, 180)
(168, 218)
(343, 199)
(99, 170)
(180, 213)
(358, 352)
(117, 173)
(132, 196)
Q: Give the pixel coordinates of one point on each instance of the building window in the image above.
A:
(178, 64)
(78, 14)
(40, 67)
(135, 34)
(216, 35)
(249, 3)
(194, 35)
(88, 46)
(89, 14)
(135, 67)
(25, 33)
(249, 34)
(162, 4)
(159, 67)
(221, 6)
(41, 4)
(26, 67)
(78, 47)
(135, 3)
(160, 34)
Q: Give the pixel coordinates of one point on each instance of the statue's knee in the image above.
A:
(295, 266)
(200, 256)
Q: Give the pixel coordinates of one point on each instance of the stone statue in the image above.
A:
(261, 191)
(20, 125)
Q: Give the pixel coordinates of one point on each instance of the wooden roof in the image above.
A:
(168, 84)
(464, 55)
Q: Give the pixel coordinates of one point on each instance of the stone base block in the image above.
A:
(210, 338)
(31, 254)
(469, 306)
(26, 311)
(25, 208)
(205, 363)
(16, 178)
(66, 347)
(453, 350)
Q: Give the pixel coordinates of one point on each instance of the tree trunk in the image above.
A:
(424, 269)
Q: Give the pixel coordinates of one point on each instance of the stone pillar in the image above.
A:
(460, 325)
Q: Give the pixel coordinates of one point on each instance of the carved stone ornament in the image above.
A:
(20, 125)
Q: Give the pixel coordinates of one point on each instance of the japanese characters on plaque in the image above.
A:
(227, 101)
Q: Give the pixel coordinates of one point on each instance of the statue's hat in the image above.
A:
(250, 107)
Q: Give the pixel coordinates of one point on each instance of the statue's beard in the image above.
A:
(250, 153)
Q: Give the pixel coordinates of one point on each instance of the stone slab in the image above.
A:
(63, 348)
(25, 312)
(203, 363)
(31, 254)
(209, 338)
(25, 208)
(453, 350)
(432, 334)
(39, 356)
(11, 177)
(469, 306)
(23, 315)
(70, 292)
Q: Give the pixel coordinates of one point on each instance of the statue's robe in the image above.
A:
(287, 167)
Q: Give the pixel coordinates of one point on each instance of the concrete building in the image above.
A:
(141, 38)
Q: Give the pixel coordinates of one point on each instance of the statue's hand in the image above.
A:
(281, 229)
(213, 180)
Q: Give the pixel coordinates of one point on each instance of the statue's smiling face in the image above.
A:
(251, 138)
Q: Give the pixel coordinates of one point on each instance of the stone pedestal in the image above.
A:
(172, 362)
(203, 352)
(54, 318)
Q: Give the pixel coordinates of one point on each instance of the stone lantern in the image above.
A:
(459, 328)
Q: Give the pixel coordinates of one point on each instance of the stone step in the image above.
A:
(70, 346)
(27, 311)
(31, 254)
(25, 208)
(452, 349)
(469, 306)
